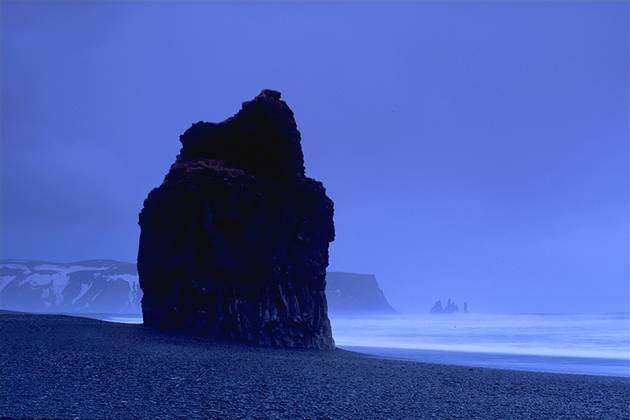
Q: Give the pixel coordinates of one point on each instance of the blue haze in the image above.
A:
(477, 151)
(594, 344)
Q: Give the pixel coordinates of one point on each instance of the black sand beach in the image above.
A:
(65, 367)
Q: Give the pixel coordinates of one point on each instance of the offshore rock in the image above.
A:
(437, 308)
(450, 308)
(234, 243)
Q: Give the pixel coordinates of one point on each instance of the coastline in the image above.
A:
(504, 361)
(69, 367)
(558, 355)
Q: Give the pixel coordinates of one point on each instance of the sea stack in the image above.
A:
(234, 243)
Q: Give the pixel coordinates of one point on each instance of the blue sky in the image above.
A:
(478, 151)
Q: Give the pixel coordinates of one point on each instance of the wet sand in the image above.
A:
(65, 367)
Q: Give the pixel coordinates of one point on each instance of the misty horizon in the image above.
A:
(468, 156)
(323, 209)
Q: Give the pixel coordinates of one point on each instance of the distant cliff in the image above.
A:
(355, 293)
(96, 286)
(106, 286)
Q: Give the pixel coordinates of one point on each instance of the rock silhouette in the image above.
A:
(234, 243)
(355, 294)
(450, 307)
(437, 308)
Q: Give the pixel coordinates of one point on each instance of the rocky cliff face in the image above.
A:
(234, 243)
(111, 287)
(352, 293)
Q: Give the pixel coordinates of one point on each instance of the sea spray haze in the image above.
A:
(593, 344)
(361, 317)
(567, 343)
(475, 151)
(468, 155)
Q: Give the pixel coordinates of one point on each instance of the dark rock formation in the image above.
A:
(234, 243)
(111, 287)
(437, 308)
(450, 308)
(351, 293)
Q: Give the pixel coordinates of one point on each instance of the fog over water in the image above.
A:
(572, 343)
(589, 344)
(604, 336)
(468, 155)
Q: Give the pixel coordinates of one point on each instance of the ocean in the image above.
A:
(561, 343)
(594, 344)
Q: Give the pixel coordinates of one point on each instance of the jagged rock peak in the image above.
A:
(269, 93)
(262, 139)
(450, 307)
